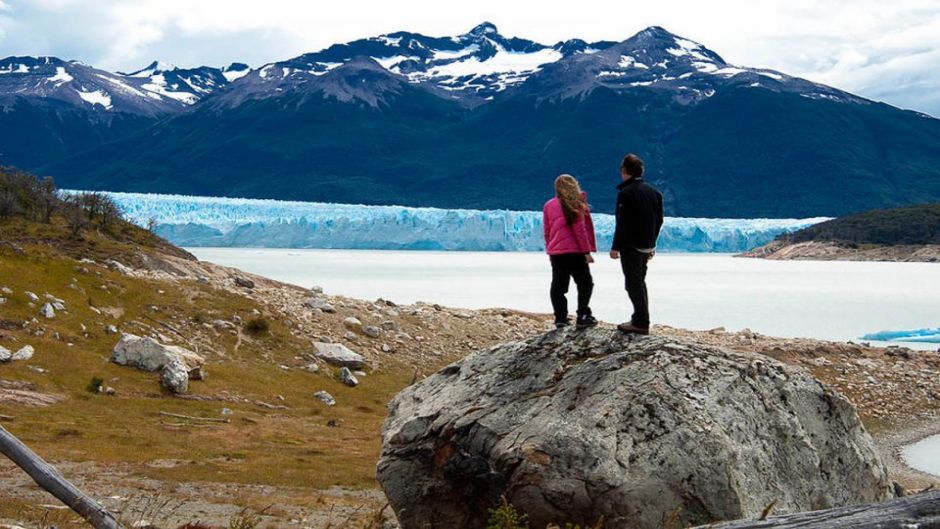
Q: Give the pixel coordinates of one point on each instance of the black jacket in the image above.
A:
(639, 215)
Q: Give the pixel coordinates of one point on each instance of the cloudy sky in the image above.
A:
(887, 50)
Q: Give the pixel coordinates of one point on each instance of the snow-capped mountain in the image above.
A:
(71, 83)
(658, 60)
(156, 90)
(475, 66)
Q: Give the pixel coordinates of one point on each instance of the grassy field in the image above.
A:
(307, 445)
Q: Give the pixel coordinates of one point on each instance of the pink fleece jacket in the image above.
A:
(561, 238)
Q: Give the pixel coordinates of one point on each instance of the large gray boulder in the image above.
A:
(150, 355)
(175, 377)
(574, 425)
(338, 355)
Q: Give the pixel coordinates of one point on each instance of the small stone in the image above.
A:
(386, 348)
(351, 336)
(6, 290)
(389, 325)
(32, 296)
(111, 329)
(325, 398)
(353, 324)
(109, 391)
(312, 367)
(346, 377)
(371, 331)
(58, 305)
(48, 311)
(3, 301)
(244, 282)
(175, 377)
(316, 289)
(227, 411)
(25, 353)
(319, 304)
(5, 354)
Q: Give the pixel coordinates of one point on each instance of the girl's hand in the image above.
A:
(589, 258)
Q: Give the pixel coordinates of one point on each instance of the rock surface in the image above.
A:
(572, 426)
(175, 377)
(25, 353)
(338, 355)
(347, 378)
(150, 355)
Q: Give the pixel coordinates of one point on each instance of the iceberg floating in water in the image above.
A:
(916, 335)
(236, 222)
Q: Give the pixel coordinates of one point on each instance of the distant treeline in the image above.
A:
(906, 225)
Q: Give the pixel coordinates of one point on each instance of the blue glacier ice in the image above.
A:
(916, 335)
(237, 222)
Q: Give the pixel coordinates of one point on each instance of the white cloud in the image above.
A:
(879, 49)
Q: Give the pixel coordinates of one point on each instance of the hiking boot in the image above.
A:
(562, 324)
(586, 321)
(630, 328)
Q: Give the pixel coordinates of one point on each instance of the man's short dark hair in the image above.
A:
(633, 165)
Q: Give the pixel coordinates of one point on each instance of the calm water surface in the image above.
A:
(830, 300)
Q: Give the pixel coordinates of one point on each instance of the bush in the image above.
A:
(95, 385)
(257, 326)
(507, 517)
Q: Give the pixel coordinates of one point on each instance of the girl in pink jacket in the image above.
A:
(569, 241)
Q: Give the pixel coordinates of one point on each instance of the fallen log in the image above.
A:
(921, 511)
(47, 477)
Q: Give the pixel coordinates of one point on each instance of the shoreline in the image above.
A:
(780, 250)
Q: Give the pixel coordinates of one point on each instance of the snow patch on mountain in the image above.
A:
(209, 221)
(98, 97)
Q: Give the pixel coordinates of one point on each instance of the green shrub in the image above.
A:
(257, 326)
(95, 385)
(507, 517)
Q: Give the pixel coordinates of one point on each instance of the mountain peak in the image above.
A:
(153, 67)
(485, 28)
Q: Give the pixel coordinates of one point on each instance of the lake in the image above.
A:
(817, 299)
(924, 455)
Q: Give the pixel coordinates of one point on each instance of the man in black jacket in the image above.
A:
(639, 219)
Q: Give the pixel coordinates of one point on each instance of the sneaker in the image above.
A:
(561, 324)
(586, 321)
(630, 328)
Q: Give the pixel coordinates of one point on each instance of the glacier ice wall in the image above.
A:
(209, 221)
(916, 335)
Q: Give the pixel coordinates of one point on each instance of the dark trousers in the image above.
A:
(633, 263)
(564, 268)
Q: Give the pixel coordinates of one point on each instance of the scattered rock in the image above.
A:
(6, 290)
(325, 398)
(346, 377)
(48, 311)
(372, 331)
(353, 324)
(111, 329)
(150, 355)
(5, 354)
(312, 367)
(338, 355)
(175, 377)
(25, 353)
(389, 325)
(120, 267)
(3, 301)
(319, 304)
(227, 411)
(244, 282)
(316, 289)
(572, 426)
(31, 296)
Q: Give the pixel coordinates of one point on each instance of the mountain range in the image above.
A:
(473, 121)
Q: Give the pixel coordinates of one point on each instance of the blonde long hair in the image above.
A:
(569, 195)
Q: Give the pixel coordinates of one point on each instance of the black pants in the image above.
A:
(633, 263)
(564, 268)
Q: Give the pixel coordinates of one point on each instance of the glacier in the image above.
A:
(197, 221)
(916, 335)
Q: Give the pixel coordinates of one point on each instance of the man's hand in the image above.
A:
(614, 254)
(589, 258)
